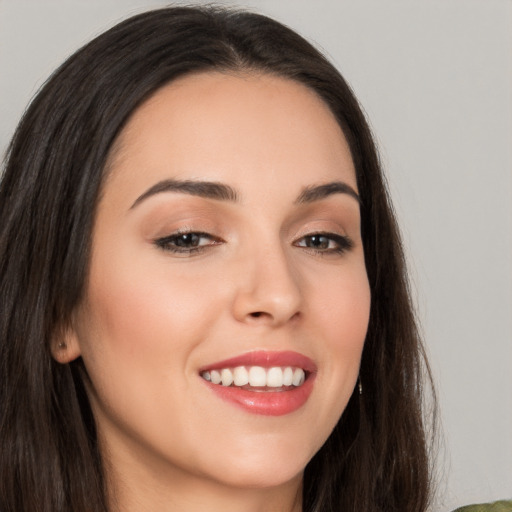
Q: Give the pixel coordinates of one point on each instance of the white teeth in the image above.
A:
(215, 377)
(241, 376)
(275, 377)
(257, 376)
(298, 377)
(287, 376)
(227, 377)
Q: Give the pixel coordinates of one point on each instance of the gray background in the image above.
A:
(435, 77)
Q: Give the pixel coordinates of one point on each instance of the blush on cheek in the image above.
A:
(145, 313)
(130, 318)
(348, 310)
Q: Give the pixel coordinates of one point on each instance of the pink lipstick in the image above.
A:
(262, 382)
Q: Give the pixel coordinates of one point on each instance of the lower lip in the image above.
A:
(268, 403)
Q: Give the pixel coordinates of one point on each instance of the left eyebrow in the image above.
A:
(317, 192)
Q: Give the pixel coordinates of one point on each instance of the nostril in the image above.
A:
(256, 314)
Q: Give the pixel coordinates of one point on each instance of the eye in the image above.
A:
(187, 242)
(325, 243)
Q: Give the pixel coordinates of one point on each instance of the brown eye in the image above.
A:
(187, 243)
(187, 240)
(317, 241)
(325, 243)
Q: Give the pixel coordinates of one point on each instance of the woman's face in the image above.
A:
(226, 246)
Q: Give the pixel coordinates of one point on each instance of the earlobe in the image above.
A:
(65, 347)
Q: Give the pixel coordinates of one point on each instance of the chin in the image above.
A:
(261, 478)
(262, 468)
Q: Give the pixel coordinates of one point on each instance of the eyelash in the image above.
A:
(169, 243)
(343, 243)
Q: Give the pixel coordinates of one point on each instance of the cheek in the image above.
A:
(342, 317)
(144, 309)
(138, 330)
(342, 309)
(350, 318)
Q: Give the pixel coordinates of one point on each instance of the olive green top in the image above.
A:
(498, 506)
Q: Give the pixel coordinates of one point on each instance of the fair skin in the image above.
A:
(182, 278)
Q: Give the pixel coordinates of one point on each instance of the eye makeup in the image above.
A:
(185, 226)
(187, 242)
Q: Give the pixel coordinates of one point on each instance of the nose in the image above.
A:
(268, 289)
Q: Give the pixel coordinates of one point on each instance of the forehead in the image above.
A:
(227, 127)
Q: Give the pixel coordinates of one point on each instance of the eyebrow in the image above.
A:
(223, 192)
(207, 189)
(318, 192)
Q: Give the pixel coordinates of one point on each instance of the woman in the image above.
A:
(204, 299)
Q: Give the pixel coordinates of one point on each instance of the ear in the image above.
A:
(65, 346)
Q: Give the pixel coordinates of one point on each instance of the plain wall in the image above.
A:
(435, 78)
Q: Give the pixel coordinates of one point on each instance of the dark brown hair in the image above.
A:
(377, 456)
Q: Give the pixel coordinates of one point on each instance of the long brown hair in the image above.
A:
(376, 458)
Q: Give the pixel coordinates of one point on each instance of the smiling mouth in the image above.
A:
(257, 378)
(271, 383)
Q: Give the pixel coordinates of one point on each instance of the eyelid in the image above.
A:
(344, 242)
(165, 243)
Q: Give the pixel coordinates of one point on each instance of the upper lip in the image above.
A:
(266, 359)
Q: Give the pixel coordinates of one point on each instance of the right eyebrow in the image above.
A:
(207, 189)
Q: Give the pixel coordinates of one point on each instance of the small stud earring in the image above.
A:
(62, 345)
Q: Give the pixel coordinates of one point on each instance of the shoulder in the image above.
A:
(497, 506)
